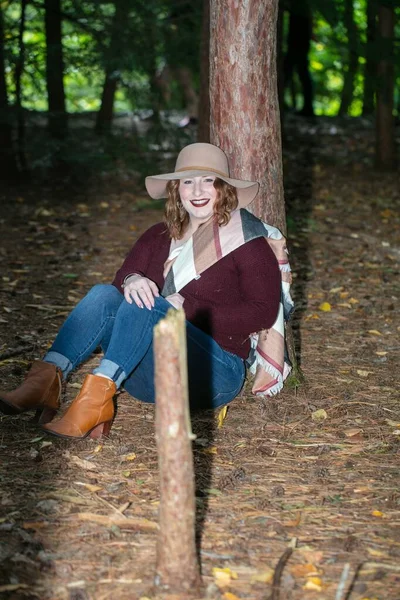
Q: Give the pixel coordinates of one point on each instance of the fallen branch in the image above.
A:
(16, 351)
(123, 523)
(276, 582)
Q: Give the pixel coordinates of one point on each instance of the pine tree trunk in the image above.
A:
(350, 73)
(19, 69)
(177, 568)
(245, 119)
(370, 62)
(203, 132)
(55, 69)
(8, 163)
(385, 134)
(112, 76)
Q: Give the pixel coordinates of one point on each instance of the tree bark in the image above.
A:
(370, 62)
(350, 73)
(245, 120)
(55, 69)
(8, 163)
(203, 132)
(19, 69)
(385, 134)
(177, 567)
(112, 69)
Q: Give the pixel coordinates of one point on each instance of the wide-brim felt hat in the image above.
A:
(200, 159)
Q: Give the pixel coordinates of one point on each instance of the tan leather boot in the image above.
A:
(41, 391)
(91, 413)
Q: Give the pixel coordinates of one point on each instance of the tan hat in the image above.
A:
(200, 159)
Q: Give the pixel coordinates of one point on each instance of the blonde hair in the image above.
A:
(176, 216)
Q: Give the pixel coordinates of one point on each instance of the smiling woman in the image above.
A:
(211, 257)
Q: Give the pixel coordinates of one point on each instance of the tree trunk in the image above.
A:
(177, 567)
(385, 134)
(19, 69)
(350, 73)
(55, 69)
(203, 132)
(112, 70)
(245, 119)
(8, 163)
(370, 63)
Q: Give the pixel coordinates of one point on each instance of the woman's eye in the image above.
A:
(187, 181)
(209, 179)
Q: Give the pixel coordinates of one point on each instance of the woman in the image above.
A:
(207, 257)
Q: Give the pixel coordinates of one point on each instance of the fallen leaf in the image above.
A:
(351, 433)
(374, 332)
(210, 450)
(98, 448)
(222, 416)
(130, 456)
(122, 522)
(224, 576)
(325, 307)
(304, 570)
(319, 415)
(378, 513)
(84, 464)
(313, 316)
(230, 596)
(380, 353)
(363, 373)
(263, 576)
(314, 584)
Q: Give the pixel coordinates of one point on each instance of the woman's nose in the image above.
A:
(198, 188)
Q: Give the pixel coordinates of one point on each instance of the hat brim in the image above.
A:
(156, 185)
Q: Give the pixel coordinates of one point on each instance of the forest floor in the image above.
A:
(316, 467)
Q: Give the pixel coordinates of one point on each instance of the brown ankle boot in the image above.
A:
(91, 413)
(40, 391)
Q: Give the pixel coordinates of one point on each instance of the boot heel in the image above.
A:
(45, 415)
(101, 430)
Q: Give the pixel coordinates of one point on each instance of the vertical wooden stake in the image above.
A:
(177, 566)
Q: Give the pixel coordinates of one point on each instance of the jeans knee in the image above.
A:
(104, 294)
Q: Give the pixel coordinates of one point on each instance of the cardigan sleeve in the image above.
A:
(141, 254)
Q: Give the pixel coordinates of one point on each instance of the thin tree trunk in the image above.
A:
(203, 132)
(177, 567)
(19, 69)
(279, 57)
(55, 69)
(245, 119)
(370, 62)
(112, 73)
(350, 73)
(8, 163)
(385, 135)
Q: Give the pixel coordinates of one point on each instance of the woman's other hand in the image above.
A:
(176, 300)
(141, 291)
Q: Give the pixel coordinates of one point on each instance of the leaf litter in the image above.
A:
(319, 462)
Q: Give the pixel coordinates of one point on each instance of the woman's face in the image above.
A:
(198, 196)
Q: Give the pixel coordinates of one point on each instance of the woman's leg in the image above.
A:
(88, 326)
(215, 376)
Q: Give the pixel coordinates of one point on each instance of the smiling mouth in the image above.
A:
(200, 203)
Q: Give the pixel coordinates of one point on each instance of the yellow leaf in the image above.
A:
(221, 416)
(319, 415)
(263, 576)
(325, 307)
(230, 596)
(92, 488)
(352, 432)
(380, 353)
(210, 450)
(392, 423)
(374, 332)
(335, 290)
(377, 553)
(313, 583)
(104, 205)
(223, 577)
(309, 317)
(98, 448)
(130, 456)
(377, 513)
(344, 294)
(354, 301)
(363, 373)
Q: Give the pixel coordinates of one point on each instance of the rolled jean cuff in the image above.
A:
(112, 370)
(59, 360)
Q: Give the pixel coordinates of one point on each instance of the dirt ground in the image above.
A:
(315, 468)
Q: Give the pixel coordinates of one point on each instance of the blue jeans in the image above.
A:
(125, 333)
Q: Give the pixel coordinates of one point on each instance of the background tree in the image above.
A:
(352, 62)
(385, 138)
(370, 59)
(8, 163)
(55, 69)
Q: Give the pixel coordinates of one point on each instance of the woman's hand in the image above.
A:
(141, 291)
(176, 300)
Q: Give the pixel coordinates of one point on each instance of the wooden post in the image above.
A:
(177, 567)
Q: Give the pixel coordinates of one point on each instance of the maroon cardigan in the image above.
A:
(235, 297)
